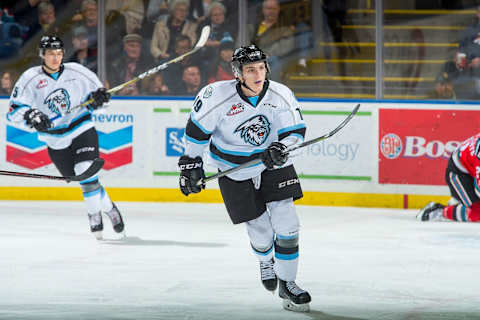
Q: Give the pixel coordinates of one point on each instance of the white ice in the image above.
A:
(187, 261)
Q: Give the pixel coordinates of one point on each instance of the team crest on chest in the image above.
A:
(58, 101)
(236, 109)
(255, 130)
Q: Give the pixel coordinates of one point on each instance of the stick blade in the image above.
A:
(203, 37)
(96, 165)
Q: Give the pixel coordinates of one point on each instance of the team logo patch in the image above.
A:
(391, 146)
(255, 130)
(42, 83)
(208, 93)
(236, 109)
(58, 101)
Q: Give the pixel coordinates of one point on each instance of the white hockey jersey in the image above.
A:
(54, 97)
(236, 130)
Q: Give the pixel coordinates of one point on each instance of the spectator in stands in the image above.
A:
(6, 83)
(219, 30)
(463, 78)
(115, 30)
(26, 13)
(82, 53)
(443, 88)
(173, 74)
(198, 10)
(470, 43)
(276, 40)
(221, 66)
(129, 65)
(89, 12)
(155, 86)
(156, 10)
(191, 81)
(166, 31)
(132, 10)
(45, 23)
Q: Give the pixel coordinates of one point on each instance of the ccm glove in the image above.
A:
(191, 172)
(99, 97)
(274, 155)
(37, 119)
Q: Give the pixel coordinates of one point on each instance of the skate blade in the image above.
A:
(98, 235)
(290, 306)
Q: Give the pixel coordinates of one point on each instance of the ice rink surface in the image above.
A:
(187, 261)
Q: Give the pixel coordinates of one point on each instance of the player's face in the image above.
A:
(53, 59)
(254, 76)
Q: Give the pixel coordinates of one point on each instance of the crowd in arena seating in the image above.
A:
(140, 34)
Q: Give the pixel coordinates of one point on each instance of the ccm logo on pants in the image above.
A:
(288, 183)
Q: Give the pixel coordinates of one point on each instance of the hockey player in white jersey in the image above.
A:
(41, 99)
(240, 120)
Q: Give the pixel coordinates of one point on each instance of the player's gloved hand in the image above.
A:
(191, 172)
(37, 119)
(99, 97)
(274, 155)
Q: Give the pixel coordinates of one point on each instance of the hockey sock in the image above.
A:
(462, 213)
(107, 204)
(286, 257)
(265, 254)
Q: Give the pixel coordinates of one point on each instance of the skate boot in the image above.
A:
(268, 276)
(432, 212)
(116, 218)
(96, 225)
(294, 298)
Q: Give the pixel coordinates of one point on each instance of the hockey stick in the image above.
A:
(92, 170)
(304, 144)
(201, 42)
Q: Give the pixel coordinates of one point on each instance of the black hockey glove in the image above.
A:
(37, 119)
(191, 172)
(99, 97)
(274, 155)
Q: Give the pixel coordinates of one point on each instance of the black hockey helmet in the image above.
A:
(50, 42)
(245, 55)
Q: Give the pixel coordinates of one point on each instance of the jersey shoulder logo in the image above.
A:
(58, 101)
(208, 93)
(255, 130)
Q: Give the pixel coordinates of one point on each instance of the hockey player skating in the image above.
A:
(240, 120)
(463, 179)
(41, 100)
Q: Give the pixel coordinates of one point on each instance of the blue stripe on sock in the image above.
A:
(292, 256)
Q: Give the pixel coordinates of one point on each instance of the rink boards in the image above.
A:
(392, 154)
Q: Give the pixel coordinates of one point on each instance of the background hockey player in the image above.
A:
(41, 99)
(240, 120)
(463, 179)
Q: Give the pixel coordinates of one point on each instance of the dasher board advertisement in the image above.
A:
(414, 145)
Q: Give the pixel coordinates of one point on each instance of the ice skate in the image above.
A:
(294, 297)
(116, 219)
(96, 225)
(432, 212)
(268, 276)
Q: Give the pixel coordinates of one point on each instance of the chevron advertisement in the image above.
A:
(415, 145)
(115, 133)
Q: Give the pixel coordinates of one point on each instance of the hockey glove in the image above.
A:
(37, 119)
(99, 97)
(274, 155)
(191, 172)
